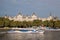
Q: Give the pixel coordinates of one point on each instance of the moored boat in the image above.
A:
(26, 31)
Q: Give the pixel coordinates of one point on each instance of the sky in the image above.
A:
(42, 8)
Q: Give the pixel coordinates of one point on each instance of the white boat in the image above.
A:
(41, 31)
(26, 31)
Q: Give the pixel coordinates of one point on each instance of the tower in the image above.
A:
(5, 16)
(34, 17)
(50, 16)
(33, 14)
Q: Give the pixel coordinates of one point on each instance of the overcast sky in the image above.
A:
(42, 8)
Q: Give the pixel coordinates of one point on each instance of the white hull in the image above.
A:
(26, 32)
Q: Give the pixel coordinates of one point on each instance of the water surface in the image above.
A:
(48, 35)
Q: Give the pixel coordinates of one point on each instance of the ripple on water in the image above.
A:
(32, 36)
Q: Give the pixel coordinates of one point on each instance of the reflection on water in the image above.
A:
(34, 36)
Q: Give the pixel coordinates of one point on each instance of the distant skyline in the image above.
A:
(42, 8)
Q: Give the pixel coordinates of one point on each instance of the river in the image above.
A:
(48, 35)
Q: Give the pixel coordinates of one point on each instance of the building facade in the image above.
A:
(21, 17)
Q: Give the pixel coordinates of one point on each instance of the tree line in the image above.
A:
(5, 22)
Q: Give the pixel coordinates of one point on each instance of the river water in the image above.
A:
(48, 35)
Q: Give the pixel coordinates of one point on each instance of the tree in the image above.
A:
(13, 24)
(37, 22)
(29, 24)
(57, 24)
(24, 24)
(19, 24)
(6, 22)
(51, 23)
(1, 22)
(46, 23)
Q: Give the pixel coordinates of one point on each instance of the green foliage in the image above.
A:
(1, 23)
(29, 24)
(46, 23)
(5, 22)
(57, 23)
(37, 22)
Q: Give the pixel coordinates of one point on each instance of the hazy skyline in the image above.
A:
(42, 8)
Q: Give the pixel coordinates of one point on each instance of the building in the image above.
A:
(21, 17)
